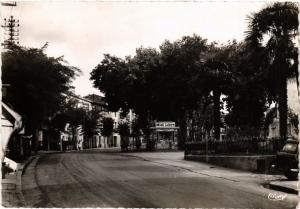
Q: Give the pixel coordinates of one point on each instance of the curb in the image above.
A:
(281, 188)
(14, 196)
(19, 174)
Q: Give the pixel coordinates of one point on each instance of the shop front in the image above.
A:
(164, 134)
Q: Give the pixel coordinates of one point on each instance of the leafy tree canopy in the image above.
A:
(273, 30)
(108, 127)
(123, 129)
(151, 82)
(37, 82)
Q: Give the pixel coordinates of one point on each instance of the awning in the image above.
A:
(164, 129)
(13, 118)
(11, 112)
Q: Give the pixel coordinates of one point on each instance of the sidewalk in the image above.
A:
(11, 194)
(11, 187)
(176, 159)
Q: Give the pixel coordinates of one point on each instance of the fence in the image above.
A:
(253, 146)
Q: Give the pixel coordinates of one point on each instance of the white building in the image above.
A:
(89, 103)
(294, 105)
(115, 139)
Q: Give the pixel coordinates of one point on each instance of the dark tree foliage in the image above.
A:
(70, 114)
(152, 83)
(143, 68)
(274, 29)
(108, 127)
(179, 65)
(136, 132)
(246, 100)
(123, 129)
(186, 78)
(124, 132)
(111, 76)
(217, 76)
(91, 122)
(37, 83)
(76, 117)
(136, 128)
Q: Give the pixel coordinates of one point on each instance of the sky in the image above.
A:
(83, 31)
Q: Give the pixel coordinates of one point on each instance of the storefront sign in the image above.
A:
(164, 124)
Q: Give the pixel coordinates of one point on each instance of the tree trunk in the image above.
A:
(122, 143)
(150, 143)
(182, 132)
(283, 107)
(217, 114)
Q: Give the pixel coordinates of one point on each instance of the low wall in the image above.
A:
(259, 163)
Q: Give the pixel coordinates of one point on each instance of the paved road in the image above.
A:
(98, 179)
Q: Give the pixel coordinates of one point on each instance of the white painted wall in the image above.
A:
(293, 97)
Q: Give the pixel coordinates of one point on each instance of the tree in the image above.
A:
(246, 98)
(37, 84)
(91, 122)
(162, 76)
(111, 76)
(179, 66)
(274, 29)
(108, 127)
(218, 77)
(76, 117)
(124, 132)
(72, 115)
(136, 132)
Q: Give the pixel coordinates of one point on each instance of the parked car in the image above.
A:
(287, 159)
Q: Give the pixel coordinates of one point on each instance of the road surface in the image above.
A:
(102, 179)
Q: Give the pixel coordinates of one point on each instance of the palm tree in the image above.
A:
(218, 77)
(274, 29)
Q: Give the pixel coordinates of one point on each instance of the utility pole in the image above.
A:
(11, 32)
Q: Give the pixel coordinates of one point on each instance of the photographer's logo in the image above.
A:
(276, 197)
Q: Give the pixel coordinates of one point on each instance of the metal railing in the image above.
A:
(246, 147)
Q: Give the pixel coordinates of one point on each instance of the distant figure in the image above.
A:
(79, 143)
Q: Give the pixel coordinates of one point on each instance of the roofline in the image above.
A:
(84, 99)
